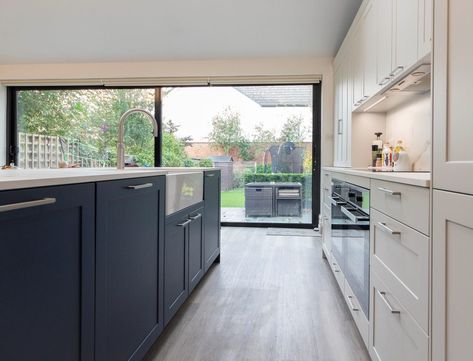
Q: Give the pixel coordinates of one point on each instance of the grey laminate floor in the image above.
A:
(272, 298)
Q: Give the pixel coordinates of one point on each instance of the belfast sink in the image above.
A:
(183, 189)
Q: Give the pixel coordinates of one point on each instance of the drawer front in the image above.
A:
(358, 316)
(337, 272)
(326, 231)
(394, 335)
(326, 188)
(400, 257)
(405, 203)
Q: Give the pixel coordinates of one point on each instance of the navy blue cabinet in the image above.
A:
(211, 221)
(47, 274)
(129, 267)
(196, 248)
(183, 257)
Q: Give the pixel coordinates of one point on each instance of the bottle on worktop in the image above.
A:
(387, 156)
(376, 148)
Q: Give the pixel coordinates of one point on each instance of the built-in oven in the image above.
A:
(350, 225)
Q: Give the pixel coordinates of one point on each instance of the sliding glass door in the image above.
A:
(261, 137)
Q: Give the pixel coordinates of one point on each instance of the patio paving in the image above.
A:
(238, 215)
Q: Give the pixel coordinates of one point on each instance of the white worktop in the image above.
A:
(420, 179)
(29, 178)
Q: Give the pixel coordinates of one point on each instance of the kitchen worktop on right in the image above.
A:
(420, 179)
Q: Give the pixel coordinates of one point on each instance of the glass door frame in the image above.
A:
(12, 137)
(316, 154)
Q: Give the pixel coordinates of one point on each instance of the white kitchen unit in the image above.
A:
(400, 253)
(452, 321)
(453, 125)
(387, 40)
(452, 232)
(400, 249)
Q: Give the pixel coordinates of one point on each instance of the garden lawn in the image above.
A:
(234, 198)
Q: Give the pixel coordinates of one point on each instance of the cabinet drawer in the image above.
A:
(358, 316)
(326, 187)
(394, 334)
(405, 203)
(337, 272)
(400, 257)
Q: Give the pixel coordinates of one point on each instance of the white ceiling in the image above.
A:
(50, 31)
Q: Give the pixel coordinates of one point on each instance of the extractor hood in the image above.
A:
(416, 82)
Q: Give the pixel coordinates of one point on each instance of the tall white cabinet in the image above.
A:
(452, 286)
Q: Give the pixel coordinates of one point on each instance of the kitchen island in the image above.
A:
(87, 264)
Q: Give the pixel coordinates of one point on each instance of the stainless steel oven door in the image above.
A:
(357, 264)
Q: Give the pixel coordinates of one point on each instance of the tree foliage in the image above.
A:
(294, 130)
(227, 133)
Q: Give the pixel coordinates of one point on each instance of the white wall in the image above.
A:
(140, 72)
(412, 124)
(364, 125)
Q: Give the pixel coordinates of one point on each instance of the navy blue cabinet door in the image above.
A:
(129, 274)
(196, 248)
(176, 281)
(47, 273)
(211, 217)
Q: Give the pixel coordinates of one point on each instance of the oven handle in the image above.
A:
(337, 203)
(350, 215)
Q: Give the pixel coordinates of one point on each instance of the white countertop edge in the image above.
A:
(21, 179)
(419, 179)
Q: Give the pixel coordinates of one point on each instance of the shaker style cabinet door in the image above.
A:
(453, 78)
(211, 221)
(47, 246)
(196, 248)
(452, 286)
(176, 260)
(129, 279)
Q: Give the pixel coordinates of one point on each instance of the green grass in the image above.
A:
(234, 198)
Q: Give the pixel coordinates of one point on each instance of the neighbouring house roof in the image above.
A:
(221, 158)
(279, 96)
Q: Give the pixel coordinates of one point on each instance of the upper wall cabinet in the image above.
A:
(425, 28)
(405, 39)
(453, 125)
(397, 36)
(387, 38)
(363, 59)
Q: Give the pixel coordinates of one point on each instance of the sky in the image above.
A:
(194, 107)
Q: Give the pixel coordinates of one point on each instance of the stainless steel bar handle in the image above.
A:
(382, 294)
(350, 215)
(29, 204)
(389, 191)
(350, 303)
(340, 128)
(397, 70)
(141, 186)
(197, 216)
(335, 269)
(210, 175)
(385, 81)
(336, 203)
(385, 228)
(183, 224)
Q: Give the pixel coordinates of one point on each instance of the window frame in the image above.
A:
(12, 135)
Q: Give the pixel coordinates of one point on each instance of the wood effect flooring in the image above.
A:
(272, 298)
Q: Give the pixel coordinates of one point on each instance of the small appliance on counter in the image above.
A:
(401, 158)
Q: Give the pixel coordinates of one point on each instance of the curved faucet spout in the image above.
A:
(121, 133)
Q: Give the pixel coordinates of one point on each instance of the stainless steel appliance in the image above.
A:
(351, 237)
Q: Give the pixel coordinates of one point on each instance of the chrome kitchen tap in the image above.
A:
(121, 133)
